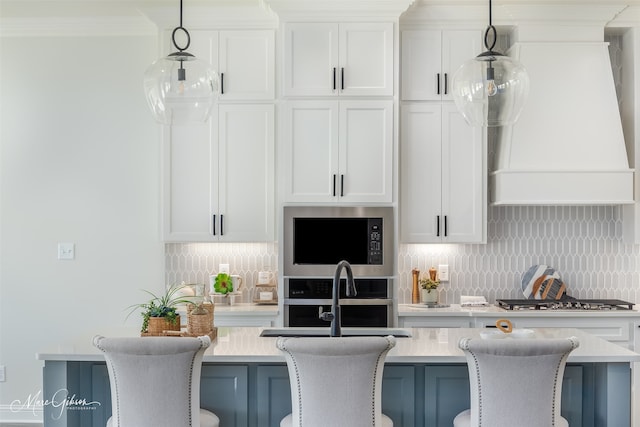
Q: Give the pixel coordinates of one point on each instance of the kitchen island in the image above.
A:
(245, 380)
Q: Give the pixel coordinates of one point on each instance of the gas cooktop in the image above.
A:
(565, 304)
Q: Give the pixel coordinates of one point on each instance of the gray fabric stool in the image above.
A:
(155, 381)
(515, 382)
(335, 381)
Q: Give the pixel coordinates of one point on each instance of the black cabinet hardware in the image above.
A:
(334, 78)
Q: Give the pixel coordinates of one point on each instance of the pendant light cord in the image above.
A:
(490, 28)
(490, 20)
(180, 27)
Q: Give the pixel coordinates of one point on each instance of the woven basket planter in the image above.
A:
(200, 324)
(157, 326)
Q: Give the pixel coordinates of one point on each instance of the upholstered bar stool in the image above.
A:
(155, 381)
(515, 382)
(336, 381)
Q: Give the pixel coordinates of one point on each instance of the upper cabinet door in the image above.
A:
(311, 150)
(421, 173)
(310, 59)
(247, 65)
(366, 59)
(421, 65)
(464, 179)
(246, 173)
(325, 59)
(243, 59)
(338, 151)
(442, 176)
(366, 151)
(430, 58)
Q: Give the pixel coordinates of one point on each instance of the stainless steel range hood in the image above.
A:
(567, 147)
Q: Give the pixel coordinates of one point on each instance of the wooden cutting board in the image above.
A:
(542, 282)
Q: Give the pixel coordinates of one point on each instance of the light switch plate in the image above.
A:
(443, 272)
(66, 251)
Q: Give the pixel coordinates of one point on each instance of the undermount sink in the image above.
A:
(325, 332)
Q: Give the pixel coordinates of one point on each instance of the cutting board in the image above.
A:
(542, 282)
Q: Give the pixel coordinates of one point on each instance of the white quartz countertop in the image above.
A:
(246, 310)
(426, 345)
(455, 310)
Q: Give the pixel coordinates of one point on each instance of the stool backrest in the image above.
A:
(516, 382)
(155, 381)
(336, 381)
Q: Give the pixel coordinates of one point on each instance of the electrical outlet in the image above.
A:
(3, 371)
(443, 272)
(66, 251)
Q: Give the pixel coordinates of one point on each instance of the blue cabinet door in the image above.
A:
(224, 390)
(399, 394)
(273, 395)
(446, 393)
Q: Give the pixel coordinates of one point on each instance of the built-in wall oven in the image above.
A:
(308, 297)
(315, 240)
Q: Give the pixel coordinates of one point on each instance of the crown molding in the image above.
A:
(76, 26)
(338, 10)
(629, 17)
(220, 14)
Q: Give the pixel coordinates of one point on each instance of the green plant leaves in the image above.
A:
(223, 284)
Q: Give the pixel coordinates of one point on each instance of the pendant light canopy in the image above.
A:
(490, 89)
(180, 88)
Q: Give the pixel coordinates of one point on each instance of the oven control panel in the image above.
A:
(310, 288)
(375, 241)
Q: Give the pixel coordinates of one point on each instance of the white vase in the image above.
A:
(429, 296)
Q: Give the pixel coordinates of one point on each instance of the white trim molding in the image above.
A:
(31, 415)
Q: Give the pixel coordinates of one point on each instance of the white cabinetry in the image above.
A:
(442, 176)
(244, 60)
(618, 330)
(431, 57)
(329, 59)
(338, 151)
(219, 177)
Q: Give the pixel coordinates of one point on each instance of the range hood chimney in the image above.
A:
(567, 147)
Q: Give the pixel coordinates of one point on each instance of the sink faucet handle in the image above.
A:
(327, 316)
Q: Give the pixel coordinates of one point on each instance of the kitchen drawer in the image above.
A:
(433, 322)
(615, 330)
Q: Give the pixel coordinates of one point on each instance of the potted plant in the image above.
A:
(160, 312)
(429, 285)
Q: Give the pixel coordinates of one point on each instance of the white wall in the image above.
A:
(79, 162)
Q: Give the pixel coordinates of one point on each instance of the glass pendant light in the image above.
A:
(180, 88)
(490, 89)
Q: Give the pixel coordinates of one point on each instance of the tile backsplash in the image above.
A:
(584, 243)
(193, 263)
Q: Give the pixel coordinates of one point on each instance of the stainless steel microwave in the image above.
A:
(316, 238)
